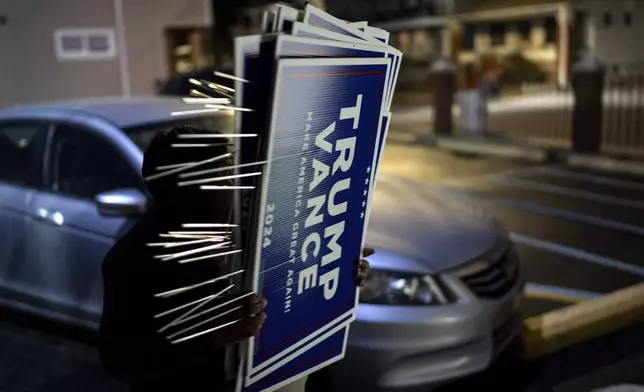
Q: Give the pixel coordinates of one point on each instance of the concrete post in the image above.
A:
(588, 111)
(452, 37)
(564, 45)
(443, 75)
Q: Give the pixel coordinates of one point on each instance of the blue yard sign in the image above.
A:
(325, 127)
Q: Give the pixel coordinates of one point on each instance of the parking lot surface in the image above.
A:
(579, 234)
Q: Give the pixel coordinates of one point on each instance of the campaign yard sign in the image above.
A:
(317, 92)
(324, 138)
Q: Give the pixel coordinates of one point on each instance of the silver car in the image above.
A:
(442, 299)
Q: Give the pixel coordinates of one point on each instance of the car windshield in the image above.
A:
(142, 135)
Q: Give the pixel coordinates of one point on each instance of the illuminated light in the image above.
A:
(174, 166)
(189, 145)
(116, 199)
(174, 335)
(183, 320)
(205, 225)
(196, 93)
(224, 107)
(167, 312)
(231, 77)
(398, 284)
(196, 111)
(58, 218)
(174, 256)
(219, 169)
(221, 87)
(191, 311)
(42, 213)
(223, 187)
(232, 252)
(194, 100)
(205, 332)
(216, 179)
(215, 135)
(184, 243)
(180, 290)
(187, 166)
(200, 232)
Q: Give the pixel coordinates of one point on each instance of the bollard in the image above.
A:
(443, 75)
(587, 122)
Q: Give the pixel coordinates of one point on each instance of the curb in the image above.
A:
(525, 152)
(606, 164)
(492, 149)
(553, 331)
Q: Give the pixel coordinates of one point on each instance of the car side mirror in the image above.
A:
(121, 202)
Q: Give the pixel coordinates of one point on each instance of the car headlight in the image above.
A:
(393, 288)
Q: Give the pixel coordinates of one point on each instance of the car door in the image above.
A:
(68, 237)
(22, 145)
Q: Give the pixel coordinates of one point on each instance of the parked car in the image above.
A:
(441, 301)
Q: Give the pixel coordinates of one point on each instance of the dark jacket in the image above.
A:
(131, 349)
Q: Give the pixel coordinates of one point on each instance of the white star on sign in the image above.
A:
(364, 193)
(362, 215)
(368, 169)
(364, 203)
(366, 181)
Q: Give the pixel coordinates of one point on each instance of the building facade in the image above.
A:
(552, 34)
(76, 48)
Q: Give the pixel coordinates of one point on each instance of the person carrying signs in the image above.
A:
(131, 348)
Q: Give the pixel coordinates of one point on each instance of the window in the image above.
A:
(247, 21)
(84, 165)
(468, 37)
(608, 19)
(628, 19)
(550, 26)
(497, 33)
(524, 28)
(21, 152)
(84, 44)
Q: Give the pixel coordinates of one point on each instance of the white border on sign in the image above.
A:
(299, 27)
(395, 68)
(287, 13)
(299, 352)
(386, 51)
(339, 23)
(310, 62)
(377, 33)
(349, 314)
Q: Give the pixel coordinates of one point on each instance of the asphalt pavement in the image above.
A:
(579, 235)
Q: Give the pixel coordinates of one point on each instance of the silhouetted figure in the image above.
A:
(131, 348)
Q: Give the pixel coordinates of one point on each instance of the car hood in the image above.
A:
(421, 228)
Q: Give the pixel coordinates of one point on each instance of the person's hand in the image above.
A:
(252, 319)
(362, 267)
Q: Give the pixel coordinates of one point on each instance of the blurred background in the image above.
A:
(508, 220)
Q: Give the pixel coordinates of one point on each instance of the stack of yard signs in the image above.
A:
(319, 92)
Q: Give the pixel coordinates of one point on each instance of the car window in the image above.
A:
(84, 164)
(21, 152)
(143, 135)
